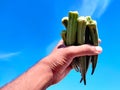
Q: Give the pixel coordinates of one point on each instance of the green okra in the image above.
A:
(63, 35)
(65, 21)
(71, 24)
(69, 36)
(80, 30)
(94, 63)
(93, 32)
(75, 64)
(82, 64)
(71, 28)
(88, 61)
(92, 25)
(81, 27)
(87, 41)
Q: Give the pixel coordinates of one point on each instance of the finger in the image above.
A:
(60, 44)
(83, 50)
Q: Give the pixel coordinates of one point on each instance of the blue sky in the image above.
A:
(29, 30)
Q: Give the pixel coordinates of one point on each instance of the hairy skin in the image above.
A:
(51, 69)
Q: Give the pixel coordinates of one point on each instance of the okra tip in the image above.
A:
(64, 18)
(88, 18)
(81, 18)
(76, 12)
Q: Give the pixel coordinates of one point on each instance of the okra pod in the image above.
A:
(65, 21)
(81, 27)
(63, 35)
(92, 25)
(71, 28)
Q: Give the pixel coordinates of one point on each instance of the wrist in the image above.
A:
(39, 77)
(47, 74)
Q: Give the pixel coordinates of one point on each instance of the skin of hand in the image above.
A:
(51, 69)
(61, 57)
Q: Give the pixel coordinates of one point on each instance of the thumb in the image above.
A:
(83, 50)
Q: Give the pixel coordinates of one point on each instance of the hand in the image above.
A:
(52, 68)
(61, 57)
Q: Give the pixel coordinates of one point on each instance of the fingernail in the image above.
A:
(99, 49)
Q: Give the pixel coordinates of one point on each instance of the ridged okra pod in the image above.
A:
(71, 28)
(88, 41)
(63, 35)
(69, 36)
(64, 32)
(81, 27)
(92, 26)
(65, 21)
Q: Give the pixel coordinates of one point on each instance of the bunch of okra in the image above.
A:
(80, 30)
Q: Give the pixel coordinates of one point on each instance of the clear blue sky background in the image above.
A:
(29, 30)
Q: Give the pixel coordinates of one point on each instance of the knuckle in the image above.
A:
(88, 49)
(70, 51)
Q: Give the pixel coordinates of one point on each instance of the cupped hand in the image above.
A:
(61, 57)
